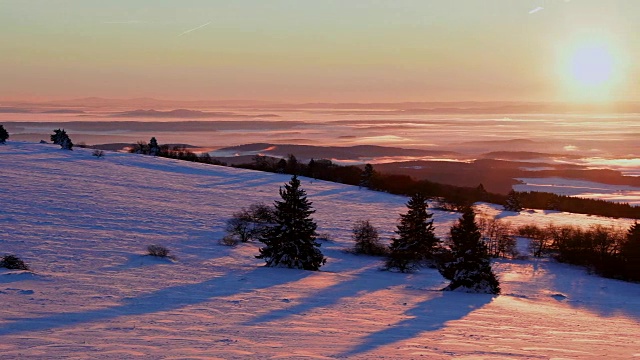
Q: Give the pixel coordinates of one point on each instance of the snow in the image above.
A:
(83, 225)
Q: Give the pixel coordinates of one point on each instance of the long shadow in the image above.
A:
(166, 299)
(333, 294)
(20, 275)
(606, 297)
(137, 261)
(238, 182)
(429, 315)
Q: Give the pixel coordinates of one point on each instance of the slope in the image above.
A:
(82, 224)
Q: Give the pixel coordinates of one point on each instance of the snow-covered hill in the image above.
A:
(83, 224)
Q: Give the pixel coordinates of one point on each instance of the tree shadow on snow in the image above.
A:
(137, 261)
(606, 297)
(363, 282)
(165, 299)
(431, 314)
(17, 275)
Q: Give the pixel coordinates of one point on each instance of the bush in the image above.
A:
(158, 250)
(13, 262)
(539, 238)
(497, 236)
(4, 135)
(367, 240)
(249, 224)
(598, 248)
(98, 153)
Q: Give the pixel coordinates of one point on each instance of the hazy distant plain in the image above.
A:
(600, 140)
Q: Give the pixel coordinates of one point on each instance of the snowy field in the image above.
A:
(582, 188)
(83, 224)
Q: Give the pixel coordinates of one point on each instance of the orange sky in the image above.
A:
(330, 50)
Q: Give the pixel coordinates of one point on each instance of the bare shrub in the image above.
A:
(367, 240)
(497, 236)
(13, 262)
(540, 240)
(98, 153)
(158, 251)
(249, 224)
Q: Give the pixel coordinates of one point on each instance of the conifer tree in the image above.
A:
(483, 194)
(291, 241)
(513, 202)
(154, 148)
(281, 167)
(468, 264)
(416, 239)
(292, 165)
(61, 138)
(311, 168)
(631, 252)
(366, 175)
(4, 134)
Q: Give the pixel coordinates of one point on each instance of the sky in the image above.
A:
(323, 50)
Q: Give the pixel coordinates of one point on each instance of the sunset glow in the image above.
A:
(592, 69)
(333, 51)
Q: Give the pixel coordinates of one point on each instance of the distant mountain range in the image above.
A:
(18, 110)
(184, 114)
(407, 108)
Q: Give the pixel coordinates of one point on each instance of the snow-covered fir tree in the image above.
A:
(416, 240)
(4, 134)
(468, 264)
(513, 202)
(154, 148)
(291, 241)
(61, 138)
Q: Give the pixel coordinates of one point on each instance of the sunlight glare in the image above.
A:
(592, 65)
(591, 68)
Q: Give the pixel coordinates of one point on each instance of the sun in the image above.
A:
(592, 65)
(591, 70)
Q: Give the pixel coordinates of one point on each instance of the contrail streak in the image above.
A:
(123, 22)
(536, 10)
(194, 29)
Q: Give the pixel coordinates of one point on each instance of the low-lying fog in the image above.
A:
(595, 141)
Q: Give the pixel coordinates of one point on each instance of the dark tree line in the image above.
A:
(179, 152)
(449, 197)
(548, 201)
(607, 251)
